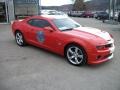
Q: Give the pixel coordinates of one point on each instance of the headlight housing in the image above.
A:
(103, 47)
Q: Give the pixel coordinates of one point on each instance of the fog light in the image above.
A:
(98, 57)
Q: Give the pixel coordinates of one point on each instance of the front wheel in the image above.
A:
(20, 39)
(75, 55)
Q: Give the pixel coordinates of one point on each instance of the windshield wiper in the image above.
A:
(67, 29)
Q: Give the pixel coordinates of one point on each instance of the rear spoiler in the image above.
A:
(21, 18)
(16, 21)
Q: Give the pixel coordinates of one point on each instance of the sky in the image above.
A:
(55, 2)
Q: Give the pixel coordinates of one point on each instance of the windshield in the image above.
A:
(65, 24)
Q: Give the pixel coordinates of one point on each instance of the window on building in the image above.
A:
(3, 17)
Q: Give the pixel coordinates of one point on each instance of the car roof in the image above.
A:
(50, 16)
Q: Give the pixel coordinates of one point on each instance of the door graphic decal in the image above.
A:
(40, 36)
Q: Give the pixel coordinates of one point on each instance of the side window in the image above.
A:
(38, 23)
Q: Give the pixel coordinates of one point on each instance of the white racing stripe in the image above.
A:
(95, 31)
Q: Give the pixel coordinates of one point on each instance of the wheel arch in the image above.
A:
(17, 30)
(77, 44)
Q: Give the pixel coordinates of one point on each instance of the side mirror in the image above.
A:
(49, 29)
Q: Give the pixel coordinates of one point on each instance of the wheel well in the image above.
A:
(16, 31)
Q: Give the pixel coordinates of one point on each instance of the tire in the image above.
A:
(19, 38)
(75, 55)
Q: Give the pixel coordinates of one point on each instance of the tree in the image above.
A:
(79, 5)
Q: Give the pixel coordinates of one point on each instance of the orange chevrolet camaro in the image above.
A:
(62, 35)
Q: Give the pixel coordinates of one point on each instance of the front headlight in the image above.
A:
(101, 47)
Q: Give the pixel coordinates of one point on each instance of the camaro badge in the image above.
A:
(40, 36)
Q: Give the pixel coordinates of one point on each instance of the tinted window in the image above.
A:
(39, 23)
(65, 23)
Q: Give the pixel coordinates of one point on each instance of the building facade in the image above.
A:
(14, 9)
(6, 10)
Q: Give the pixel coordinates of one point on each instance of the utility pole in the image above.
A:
(113, 8)
(39, 7)
(110, 8)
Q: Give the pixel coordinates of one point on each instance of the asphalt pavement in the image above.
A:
(32, 68)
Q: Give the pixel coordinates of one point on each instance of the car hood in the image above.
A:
(90, 33)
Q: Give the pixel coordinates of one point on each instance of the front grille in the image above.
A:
(103, 57)
(107, 55)
(109, 45)
(109, 40)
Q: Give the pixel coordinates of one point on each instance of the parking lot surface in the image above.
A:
(31, 68)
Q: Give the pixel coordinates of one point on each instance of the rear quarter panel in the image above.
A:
(16, 26)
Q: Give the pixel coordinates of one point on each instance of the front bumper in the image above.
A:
(101, 56)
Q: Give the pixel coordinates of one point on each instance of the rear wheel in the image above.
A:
(75, 55)
(20, 39)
